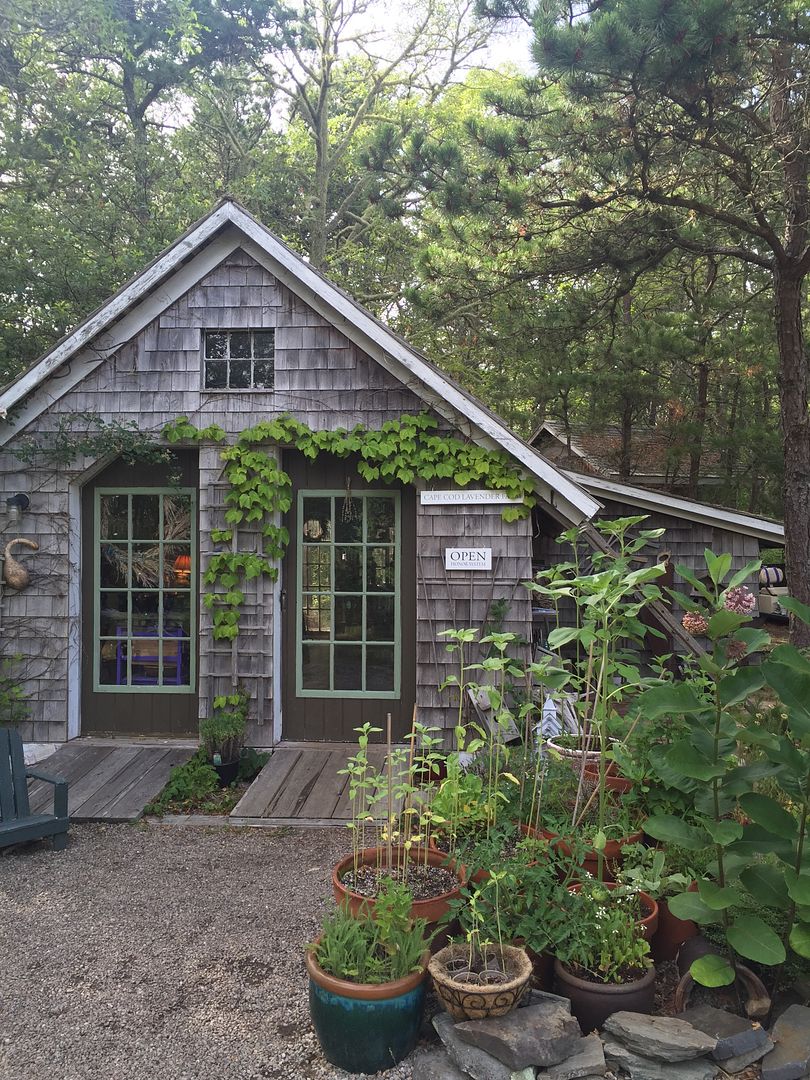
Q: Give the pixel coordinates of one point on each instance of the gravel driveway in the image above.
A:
(157, 952)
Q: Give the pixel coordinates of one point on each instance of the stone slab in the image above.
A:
(475, 1063)
(735, 1035)
(542, 1034)
(742, 1061)
(790, 1057)
(619, 1056)
(436, 1064)
(663, 1037)
(542, 997)
(587, 1060)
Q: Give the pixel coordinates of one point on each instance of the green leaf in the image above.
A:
(688, 905)
(749, 570)
(767, 885)
(723, 832)
(562, 635)
(754, 640)
(717, 898)
(792, 685)
(758, 841)
(712, 970)
(740, 685)
(686, 759)
(671, 698)
(798, 886)
(800, 939)
(674, 830)
(795, 607)
(769, 814)
(725, 622)
(752, 938)
(717, 565)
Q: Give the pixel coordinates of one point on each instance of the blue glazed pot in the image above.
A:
(365, 1028)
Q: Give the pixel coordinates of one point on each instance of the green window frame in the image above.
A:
(322, 618)
(184, 585)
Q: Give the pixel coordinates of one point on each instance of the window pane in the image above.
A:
(145, 520)
(380, 618)
(240, 344)
(113, 614)
(114, 565)
(145, 661)
(145, 566)
(316, 615)
(379, 667)
(177, 566)
(317, 520)
(112, 666)
(317, 566)
(145, 607)
(315, 667)
(349, 521)
(381, 520)
(348, 569)
(348, 667)
(176, 517)
(240, 375)
(216, 374)
(380, 569)
(177, 613)
(264, 342)
(349, 618)
(175, 661)
(263, 374)
(216, 346)
(114, 524)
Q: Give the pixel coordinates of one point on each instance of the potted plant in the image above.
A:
(602, 965)
(367, 982)
(222, 734)
(643, 907)
(480, 978)
(662, 873)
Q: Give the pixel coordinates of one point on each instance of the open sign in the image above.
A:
(468, 558)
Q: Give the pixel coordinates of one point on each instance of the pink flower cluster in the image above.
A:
(741, 600)
(694, 623)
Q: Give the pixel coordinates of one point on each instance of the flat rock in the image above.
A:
(588, 1059)
(436, 1064)
(662, 1037)
(641, 1068)
(542, 1034)
(790, 1057)
(742, 1061)
(542, 997)
(735, 1034)
(473, 1062)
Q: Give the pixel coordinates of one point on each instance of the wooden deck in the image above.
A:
(108, 780)
(302, 784)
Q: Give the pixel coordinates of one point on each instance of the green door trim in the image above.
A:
(145, 688)
(362, 643)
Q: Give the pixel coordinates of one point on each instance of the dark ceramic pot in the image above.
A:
(593, 1003)
(227, 772)
(365, 1028)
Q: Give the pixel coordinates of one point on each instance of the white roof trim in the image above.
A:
(349, 316)
(664, 503)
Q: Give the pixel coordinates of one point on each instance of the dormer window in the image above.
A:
(239, 359)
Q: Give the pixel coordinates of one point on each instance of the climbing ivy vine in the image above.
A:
(260, 491)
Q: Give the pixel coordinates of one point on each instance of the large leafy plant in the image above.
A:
(749, 786)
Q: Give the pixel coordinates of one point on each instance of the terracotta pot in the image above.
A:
(431, 910)
(593, 1003)
(466, 1001)
(757, 1000)
(648, 922)
(613, 780)
(365, 1027)
(671, 934)
(590, 863)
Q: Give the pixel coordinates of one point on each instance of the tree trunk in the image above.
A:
(793, 400)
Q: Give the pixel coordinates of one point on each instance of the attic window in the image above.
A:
(239, 359)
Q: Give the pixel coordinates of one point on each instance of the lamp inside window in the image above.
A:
(182, 569)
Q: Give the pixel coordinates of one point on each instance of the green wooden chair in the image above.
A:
(17, 823)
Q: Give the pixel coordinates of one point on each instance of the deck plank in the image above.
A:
(267, 784)
(99, 806)
(146, 785)
(103, 773)
(72, 768)
(323, 799)
(301, 780)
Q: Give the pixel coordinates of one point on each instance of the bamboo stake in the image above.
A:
(390, 788)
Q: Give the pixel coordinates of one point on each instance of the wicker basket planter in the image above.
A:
(467, 1000)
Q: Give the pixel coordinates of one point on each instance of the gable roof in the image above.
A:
(721, 517)
(225, 228)
(655, 452)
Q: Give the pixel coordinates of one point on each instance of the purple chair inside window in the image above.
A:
(145, 653)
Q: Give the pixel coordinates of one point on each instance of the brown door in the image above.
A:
(349, 603)
(139, 599)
